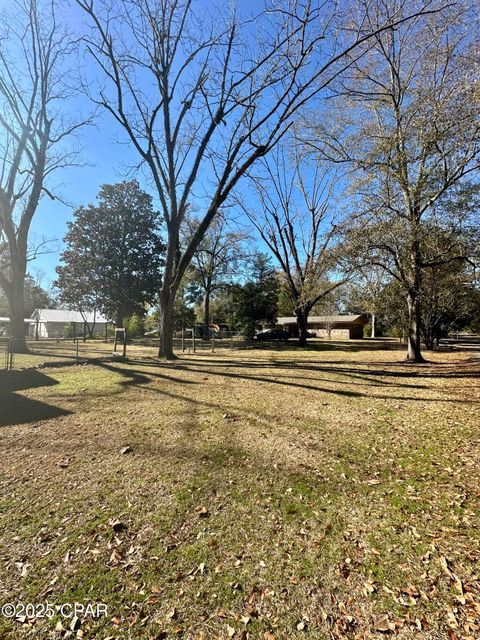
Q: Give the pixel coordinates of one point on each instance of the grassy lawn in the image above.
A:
(51, 352)
(272, 494)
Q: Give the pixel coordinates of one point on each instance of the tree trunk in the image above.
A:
(16, 303)
(168, 291)
(17, 320)
(429, 342)
(166, 326)
(374, 326)
(92, 329)
(428, 333)
(206, 313)
(119, 318)
(414, 353)
(302, 321)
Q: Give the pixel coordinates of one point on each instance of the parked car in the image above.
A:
(272, 334)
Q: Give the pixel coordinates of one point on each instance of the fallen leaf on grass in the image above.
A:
(384, 625)
(444, 564)
(24, 567)
(74, 624)
(368, 587)
(116, 556)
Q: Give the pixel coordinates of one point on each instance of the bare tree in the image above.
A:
(411, 108)
(33, 85)
(295, 219)
(217, 260)
(447, 286)
(329, 312)
(366, 291)
(201, 100)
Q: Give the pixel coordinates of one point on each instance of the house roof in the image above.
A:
(336, 319)
(67, 315)
(7, 319)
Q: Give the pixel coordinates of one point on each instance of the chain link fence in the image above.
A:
(188, 342)
(44, 352)
(28, 353)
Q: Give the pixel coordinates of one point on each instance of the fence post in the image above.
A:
(213, 343)
(193, 339)
(11, 344)
(122, 332)
(183, 339)
(76, 351)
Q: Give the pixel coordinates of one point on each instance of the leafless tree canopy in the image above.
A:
(218, 259)
(202, 97)
(297, 218)
(33, 87)
(410, 129)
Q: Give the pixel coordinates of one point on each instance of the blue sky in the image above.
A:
(106, 157)
(106, 160)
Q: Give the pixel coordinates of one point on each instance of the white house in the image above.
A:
(5, 324)
(55, 323)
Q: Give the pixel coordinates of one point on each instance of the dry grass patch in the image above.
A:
(266, 494)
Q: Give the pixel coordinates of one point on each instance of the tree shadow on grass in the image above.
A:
(18, 409)
(288, 382)
(134, 377)
(375, 369)
(193, 366)
(320, 345)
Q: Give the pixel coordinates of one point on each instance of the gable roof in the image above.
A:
(67, 315)
(336, 319)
